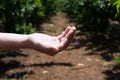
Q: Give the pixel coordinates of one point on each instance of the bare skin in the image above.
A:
(49, 45)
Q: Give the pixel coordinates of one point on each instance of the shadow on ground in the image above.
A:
(114, 73)
(106, 46)
(50, 64)
(7, 65)
(11, 54)
(12, 64)
(103, 45)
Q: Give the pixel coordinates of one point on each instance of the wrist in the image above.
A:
(28, 41)
(25, 43)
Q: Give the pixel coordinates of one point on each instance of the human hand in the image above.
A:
(51, 45)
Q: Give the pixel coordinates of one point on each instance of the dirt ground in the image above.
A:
(77, 62)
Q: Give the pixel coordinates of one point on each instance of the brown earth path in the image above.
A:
(70, 64)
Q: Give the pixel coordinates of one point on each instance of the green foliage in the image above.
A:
(19, 12)
(118, 60)
(19, 15)
(25, 29)
(117, 3)
(51, 6)
(94, 14)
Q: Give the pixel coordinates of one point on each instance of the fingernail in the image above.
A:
(74, 28)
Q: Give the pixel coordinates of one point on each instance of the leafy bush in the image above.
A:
(51, 6)
(118, 60)
(19, 15)
(117, 3)
(18, 12)
(94, 14)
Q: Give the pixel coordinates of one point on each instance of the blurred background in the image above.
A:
(95, 49)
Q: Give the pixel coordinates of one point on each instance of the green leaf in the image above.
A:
(38, 3)
(112, 1)
(118, 7)
(118, 60)
(116, 2)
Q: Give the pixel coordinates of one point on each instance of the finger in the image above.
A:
(63, 44)
(66, 40)
(64, 33)
(74, 28)
(70, 34)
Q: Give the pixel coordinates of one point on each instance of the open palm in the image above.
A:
(52, 44)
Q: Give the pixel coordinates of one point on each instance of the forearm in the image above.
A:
(9, 41)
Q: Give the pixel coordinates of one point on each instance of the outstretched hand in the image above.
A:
(51, 45)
